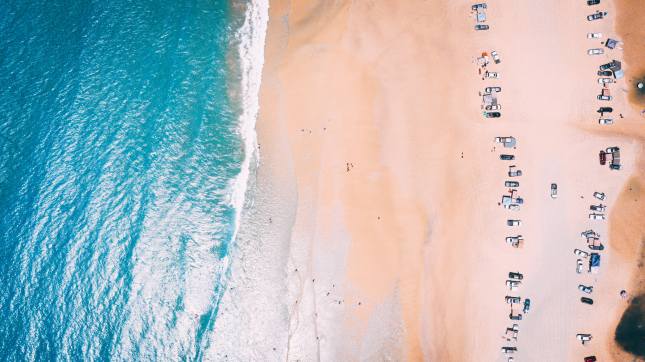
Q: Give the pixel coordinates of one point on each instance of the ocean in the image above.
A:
(126, 142)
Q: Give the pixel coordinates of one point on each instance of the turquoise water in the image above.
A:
(118, 147)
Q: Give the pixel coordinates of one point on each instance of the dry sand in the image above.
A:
(397, 247)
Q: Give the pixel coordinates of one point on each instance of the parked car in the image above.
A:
(509, 349)
(602, 156)
(606, 80)
(513, 171)
(513, 284)
(581, 253)
(605, 73)
(593, 2)
(492, 114)
(612, 149)
(594, 35)
(506, 157)
(595, 51)
(586, 300)
(511, 184)
(495, 56)
(492, 89)
(515, 275)
(603, 110)
(579, 266)
(608, 65)
(493, 75)
(606, 121)
(515, 317)
(554, 191)
(493, 107)
(594, 216)
(586, 289)
(584, 337)
(591, 358)
(598, 208)
(597, 15)
(527, 305)
(481, 27)
(588, 233)
(599, 195)
(600, 97)
(478, 6)
(514, 240)
(614, 166)
(512, 300)
(513, 222)
(514, 207)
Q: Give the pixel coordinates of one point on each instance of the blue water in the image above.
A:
(118, 145)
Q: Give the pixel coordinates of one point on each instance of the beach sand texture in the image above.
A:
(397, 246)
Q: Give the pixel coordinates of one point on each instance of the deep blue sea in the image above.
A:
(119, 145)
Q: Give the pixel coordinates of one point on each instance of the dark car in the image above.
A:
(597, 15)
(605, 73)
(596, 247)
(593, 2)
(511, 184)
(602, 110)
(614, 166)
(507, 157)
(515, 275)
(609, 65)
(492, 114)
(515, 317)
(527, 305)
(603, 157)
(586, 300)
(590, 359)
(481, 27)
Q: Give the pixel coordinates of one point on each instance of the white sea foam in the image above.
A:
(251, 38)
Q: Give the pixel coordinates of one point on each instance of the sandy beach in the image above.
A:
(387, 182)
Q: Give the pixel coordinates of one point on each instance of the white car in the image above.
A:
(513, 284)
(606, 121)
(495, 57)
(583, 337)
(595, 51)
(595, 216)
(599, 195)
(606, 80)
(579, 266)
(585, 289)
(594, 35)
(580, 253)
(554, 191)
(493, 107)
(493, 75)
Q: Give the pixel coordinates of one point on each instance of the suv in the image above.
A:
(586, 300)
(605, 73)
(515, 275)
(511, 184)
(492, 114)
(481, 27)
(580, 253)
(586, 289)
(506, 157)
(602, 110)
(597, 15)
